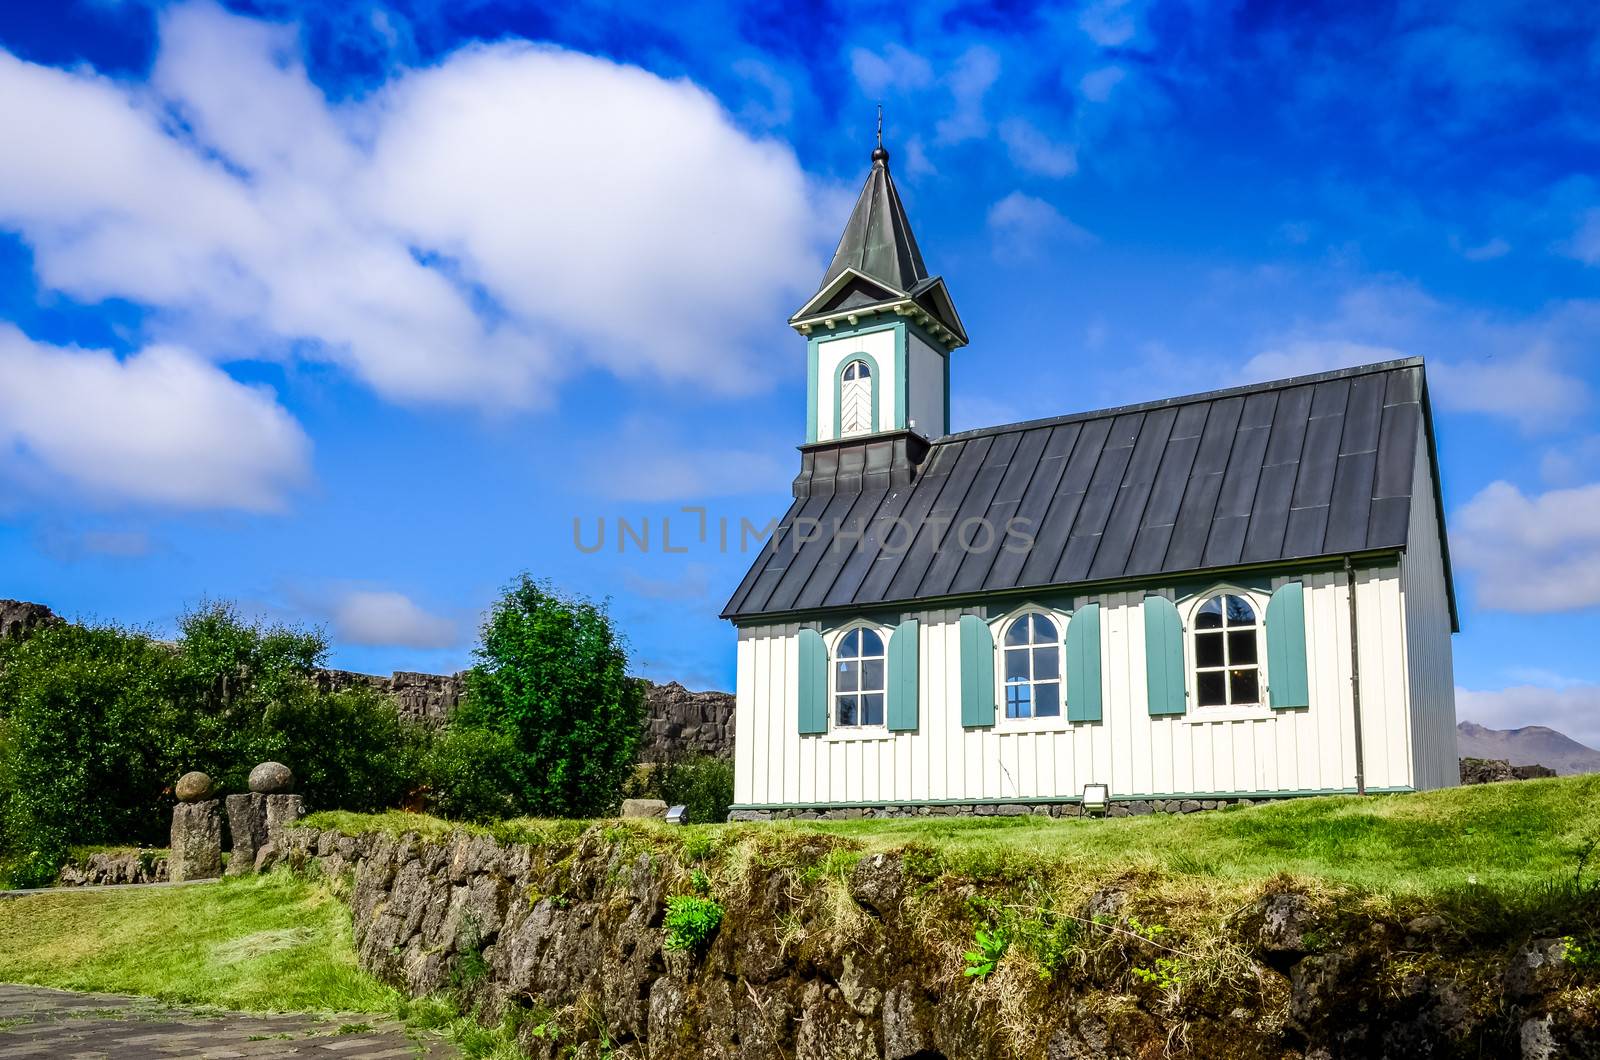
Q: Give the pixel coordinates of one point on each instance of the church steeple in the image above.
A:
(881, 329)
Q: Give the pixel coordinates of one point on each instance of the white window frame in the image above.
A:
(837, 732)
(997, 632)
(1188, 612)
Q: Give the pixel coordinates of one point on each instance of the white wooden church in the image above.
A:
(1237, 594)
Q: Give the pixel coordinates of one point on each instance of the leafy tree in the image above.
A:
(552, 677)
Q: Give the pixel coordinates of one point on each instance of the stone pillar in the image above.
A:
(196, 841)
(247, 823)
(282, 812)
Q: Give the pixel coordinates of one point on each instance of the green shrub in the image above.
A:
(690, 922)
(472, 773)
(552, 676)
(700, 783)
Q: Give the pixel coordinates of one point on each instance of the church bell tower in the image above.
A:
(880, 330)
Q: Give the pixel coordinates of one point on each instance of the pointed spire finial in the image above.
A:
(879, 153)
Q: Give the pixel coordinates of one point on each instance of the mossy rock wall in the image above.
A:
(823, 952)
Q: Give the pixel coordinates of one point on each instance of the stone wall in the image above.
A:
(18, 618)
(1494, 770)
(425, 698)
(861, 958)
(684, 722)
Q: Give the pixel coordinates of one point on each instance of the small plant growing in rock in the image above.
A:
(1167, 973)
(985, 956)
(1577, 954)
(690, 922)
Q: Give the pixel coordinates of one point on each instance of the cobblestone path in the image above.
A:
(50, 1024)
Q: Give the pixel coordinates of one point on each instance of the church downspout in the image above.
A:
(1355, 676)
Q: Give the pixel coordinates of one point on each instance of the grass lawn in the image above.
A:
(1495, 835)
(269, 943)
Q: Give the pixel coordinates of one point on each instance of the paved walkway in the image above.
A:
(50, 1024)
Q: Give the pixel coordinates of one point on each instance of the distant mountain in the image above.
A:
(1529, 745)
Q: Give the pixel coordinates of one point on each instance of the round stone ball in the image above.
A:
(271, 778)
(193, 787)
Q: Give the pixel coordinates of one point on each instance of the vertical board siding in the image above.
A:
(1134, 752)
(1430, 664)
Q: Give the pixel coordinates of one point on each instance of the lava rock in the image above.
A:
(1536, 967)
(643, 808)
(193, 787)
(196, 842)
(271, 778)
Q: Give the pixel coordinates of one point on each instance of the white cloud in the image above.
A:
(1021, 227)
(1034, 152)
(1573, 710)
(1531, 553)
(971, 76)
(778, 109)
(1488, 250)
(386, 619)
(1308, 356)
(471, 232)
(161, 427)
(1097, 84)
(648, 461)
(896, 68)
(1584, 245)
(1110, 23)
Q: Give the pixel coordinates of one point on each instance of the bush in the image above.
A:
(690, 922)
(552, 677)
(471, 774)
(702, 784)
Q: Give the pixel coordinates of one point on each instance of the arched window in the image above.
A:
(858, 680)
(1226, 653)
(855, 398)
(1031, 650)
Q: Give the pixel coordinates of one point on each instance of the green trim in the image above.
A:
(1083, 664)
(838, 390)
(812, 362)
(1022, 594)
(977, 673)
(876, 618)
(903, 693)
(812, 679)
(1287, 682)
(902, 375)
(1165, 687)
(1052, 800)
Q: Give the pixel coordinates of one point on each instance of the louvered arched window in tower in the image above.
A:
(855, 399)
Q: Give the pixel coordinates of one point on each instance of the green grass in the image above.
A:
(1501, 835)
(270, 943)
(1506, 836)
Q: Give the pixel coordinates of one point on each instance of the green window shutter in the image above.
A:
(903, 677)
(1287, 685)
(1083, 664)
(977, 672)
(813, 675)
(1163, 656)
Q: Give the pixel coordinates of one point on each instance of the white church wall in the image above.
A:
(831, 353)
(925, 380)
(1255, 752)
(1427, 636)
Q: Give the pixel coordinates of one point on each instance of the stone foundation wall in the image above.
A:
(1128, 808)
(862, 960)
(116, 867)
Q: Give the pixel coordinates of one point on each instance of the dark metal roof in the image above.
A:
(877, 240)
(1317, 466)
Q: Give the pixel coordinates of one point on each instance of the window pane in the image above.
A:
(1018, 701)
(849, 677)
(851, 645)
(871, 643)
(1208, 649)
(872, 710)
(872, 675)
(863, 370)
(846, 710)
(1047, 700)
(1044, 630)
(1016, 664)
(1017, 632)
(1210, 614)
(1245, 687)
(1240, 613)
(1242, 647)
(1046, 663)
(1211, 687)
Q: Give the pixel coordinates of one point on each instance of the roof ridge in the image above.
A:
(1188, 399)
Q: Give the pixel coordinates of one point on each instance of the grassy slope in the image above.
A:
(271, 943)
(1496, 836)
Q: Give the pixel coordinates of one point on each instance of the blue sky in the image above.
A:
(347, 312)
